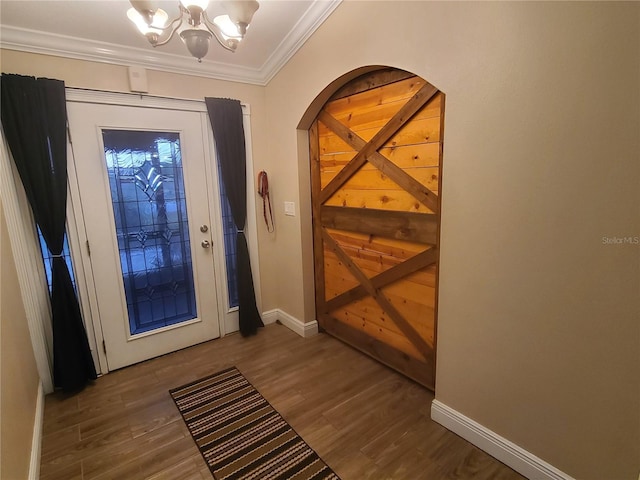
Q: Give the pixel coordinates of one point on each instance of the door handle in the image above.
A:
(205, 244)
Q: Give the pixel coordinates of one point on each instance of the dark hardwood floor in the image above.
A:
(363, 419)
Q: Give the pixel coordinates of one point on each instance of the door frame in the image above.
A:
(78, 236)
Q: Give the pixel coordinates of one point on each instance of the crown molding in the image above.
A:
(33, 41)
(315, 16)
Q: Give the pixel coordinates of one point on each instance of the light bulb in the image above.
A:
(158, 21)
(241, 11)
(228, 28)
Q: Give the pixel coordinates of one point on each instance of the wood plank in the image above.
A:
(373, 263)
(417, 132)
(421, 189)
(442, 101)
(380, 138)
(391, 275)
(404, 89)
(379, 179)
(337, 278)
(424, 277)
(334, 145)
(413, 265)
(399, 320)
(408, 183)
(361, 322)
(314, 159)
(404, 156)
(414, 227)
(366, 314)
(415, 155)
(376, 114)
(370, 81)
(399, 249)
(396, 359)
(396, 200)
(331, 385)
(410, 294)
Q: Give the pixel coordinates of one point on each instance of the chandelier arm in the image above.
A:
(230, 43)
(174, 29)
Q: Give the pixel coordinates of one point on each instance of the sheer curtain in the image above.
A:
(226, 121)
(34, 119)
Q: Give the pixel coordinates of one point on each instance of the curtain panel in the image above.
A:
(228, 131)
(34, 119)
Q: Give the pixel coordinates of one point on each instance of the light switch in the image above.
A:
(290, 209)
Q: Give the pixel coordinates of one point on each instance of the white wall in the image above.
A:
(538, 335)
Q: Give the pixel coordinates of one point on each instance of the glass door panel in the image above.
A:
(149, 206)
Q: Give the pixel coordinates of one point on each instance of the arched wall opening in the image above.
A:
(370, 156)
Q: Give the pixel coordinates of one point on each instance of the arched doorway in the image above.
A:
(375, 159)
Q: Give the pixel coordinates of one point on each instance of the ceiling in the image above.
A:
(99, 30)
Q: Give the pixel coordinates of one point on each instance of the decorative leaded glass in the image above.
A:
(150, 211)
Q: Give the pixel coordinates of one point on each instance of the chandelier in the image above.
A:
(194, 26)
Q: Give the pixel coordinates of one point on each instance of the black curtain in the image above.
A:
(226, 121)
(34, 119)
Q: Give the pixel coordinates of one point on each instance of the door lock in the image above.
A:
(204, 228)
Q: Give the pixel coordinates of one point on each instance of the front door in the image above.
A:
(142, 180)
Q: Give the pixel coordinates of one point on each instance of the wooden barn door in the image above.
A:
(376, 153)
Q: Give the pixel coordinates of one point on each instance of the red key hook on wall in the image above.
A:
(263, 191)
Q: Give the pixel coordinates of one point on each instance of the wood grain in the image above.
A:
(419, 190)
(381, 138)
(412, 227)
(368, 81)
(399, 200)
(375, 115)
(405, 327)
(388, 276)
(322, 387)
(316, 187)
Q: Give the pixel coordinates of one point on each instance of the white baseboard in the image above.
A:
(292, 323)
(499, 447)
(36, 441)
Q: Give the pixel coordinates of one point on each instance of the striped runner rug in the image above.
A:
(240, 435)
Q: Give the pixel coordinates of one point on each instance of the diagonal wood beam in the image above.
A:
(413, 264)
(405, 327)
(350, 168)
(423, 194)
(382, 163)
(396, 122)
